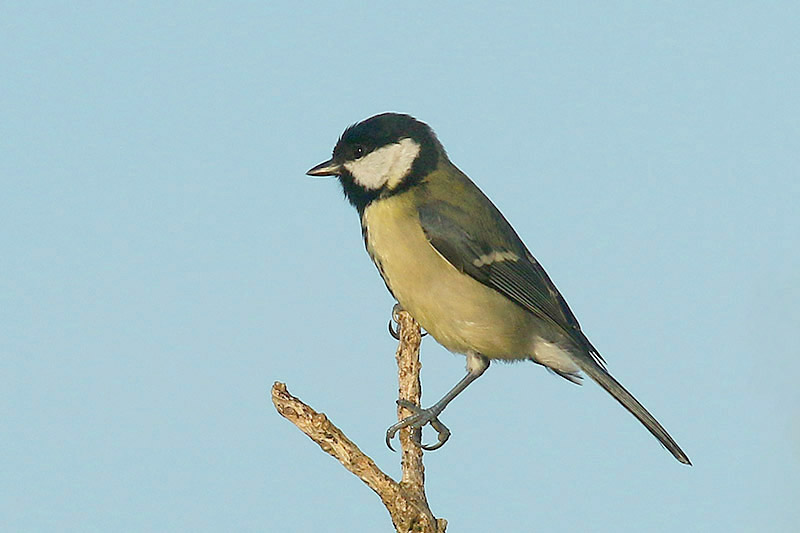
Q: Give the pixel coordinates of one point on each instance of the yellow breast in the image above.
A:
(460, 313)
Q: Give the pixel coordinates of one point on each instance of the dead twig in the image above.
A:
(405, 500)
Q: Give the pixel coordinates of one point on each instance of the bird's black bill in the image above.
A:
(328, 168)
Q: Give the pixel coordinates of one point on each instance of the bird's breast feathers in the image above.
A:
(462, 314)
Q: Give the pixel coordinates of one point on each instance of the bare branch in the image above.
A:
(405, 501)
(333, 441)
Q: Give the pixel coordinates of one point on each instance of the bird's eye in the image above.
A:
(358, 151)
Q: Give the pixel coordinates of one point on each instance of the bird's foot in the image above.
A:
(420, 418)
(395, 331)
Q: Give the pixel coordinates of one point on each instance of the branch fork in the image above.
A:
(405, 500)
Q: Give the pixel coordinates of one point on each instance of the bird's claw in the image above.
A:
(416, 421)
(395, 332)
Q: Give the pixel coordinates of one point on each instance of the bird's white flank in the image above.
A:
(552, 355)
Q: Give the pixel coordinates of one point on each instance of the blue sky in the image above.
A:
(164, 260)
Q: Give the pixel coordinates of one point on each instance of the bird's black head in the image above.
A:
(381, 156)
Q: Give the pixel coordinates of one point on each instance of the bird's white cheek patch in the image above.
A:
(387, 165)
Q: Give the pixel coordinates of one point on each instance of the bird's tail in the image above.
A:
(595, 371)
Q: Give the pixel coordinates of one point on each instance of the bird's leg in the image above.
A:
(476, 366)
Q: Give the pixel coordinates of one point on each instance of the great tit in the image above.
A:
(450, 259)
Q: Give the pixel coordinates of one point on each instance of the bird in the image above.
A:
(455, 264)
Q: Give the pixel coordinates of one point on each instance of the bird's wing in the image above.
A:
(483, 245)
